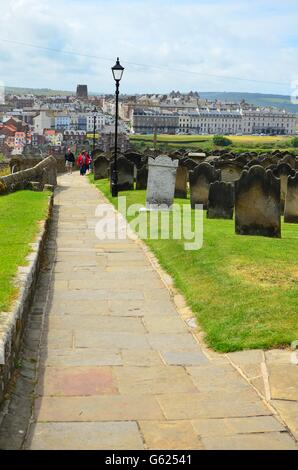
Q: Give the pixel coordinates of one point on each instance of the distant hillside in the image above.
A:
(36, 91)
(259, 99)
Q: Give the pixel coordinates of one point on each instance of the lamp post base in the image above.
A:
(114, 190)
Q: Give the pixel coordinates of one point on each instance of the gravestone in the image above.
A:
(101, 168)
(283, 170)
(181, 181)
(161, 181)
(125, 174)
(134, 157)
(257, 203)
(199, 182)
(230, 171)
(142, 177)
(189, 163)
(291, 204)
(289, 159)
(221, 200)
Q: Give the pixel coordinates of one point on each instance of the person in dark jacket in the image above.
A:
(69, 161)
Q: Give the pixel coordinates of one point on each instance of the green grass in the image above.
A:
(243, 289)
(19, 216)
(244, 143)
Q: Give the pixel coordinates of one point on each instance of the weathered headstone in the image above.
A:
(291, 204)
(101, 168)
(199, 181)
(230, 171)
(161, 181)
(181, 181)
(125, 174)
(282, 171)
(221, 200)
(142, 177)
(189, 163)
(257, 203)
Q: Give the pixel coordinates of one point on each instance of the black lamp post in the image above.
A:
(94, 126)
(117, 74)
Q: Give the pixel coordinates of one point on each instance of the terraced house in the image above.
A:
(216, 121)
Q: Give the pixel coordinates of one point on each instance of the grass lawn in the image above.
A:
(203, 138)
(19, 216)
(241, 143)
(243, 289)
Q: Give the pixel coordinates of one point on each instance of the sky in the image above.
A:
(199, 45)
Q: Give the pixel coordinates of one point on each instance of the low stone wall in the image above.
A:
(45, 172)
(12, 323)
(23, 162)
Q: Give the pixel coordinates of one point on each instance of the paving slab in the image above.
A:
(81, 357)
(266, 441)
(170, 435)
(76, 381)
(283, 380)
(81, 306)
(102, 323)
(152, 380)
(141, 358)
(288, 410)
(98, 408)
(231, 426)
(164, 324)
(94, 339)
(184, 358)
(193, 405)
(86, 436)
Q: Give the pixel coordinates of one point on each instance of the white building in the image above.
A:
(41, 122)
(213, 121)
(99, 121)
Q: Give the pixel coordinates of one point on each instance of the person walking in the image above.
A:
(81, 162)
(88, 162)
(69, 161)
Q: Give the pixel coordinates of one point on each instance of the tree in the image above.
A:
(221, 140)
(295, 142)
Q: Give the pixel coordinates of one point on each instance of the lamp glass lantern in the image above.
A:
(117, 71)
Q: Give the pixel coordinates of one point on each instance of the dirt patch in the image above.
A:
(284, 277)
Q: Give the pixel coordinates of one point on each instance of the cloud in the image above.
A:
(183, 45)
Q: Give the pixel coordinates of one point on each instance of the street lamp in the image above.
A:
(94, 126)
(117, 74)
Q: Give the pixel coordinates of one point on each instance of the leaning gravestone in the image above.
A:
(100, 168)
(199, 181)
(161, 181)
(221, 200)
(257, 203)
(125, 174)
(181, 181)
(142, 177)
(291, 204)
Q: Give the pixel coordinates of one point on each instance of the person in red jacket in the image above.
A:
(83, 162)
(88, 162)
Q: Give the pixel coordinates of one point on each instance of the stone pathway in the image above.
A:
(119, 367)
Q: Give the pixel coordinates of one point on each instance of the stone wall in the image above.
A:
(44, 172)
(21, 162)
(12, 323)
